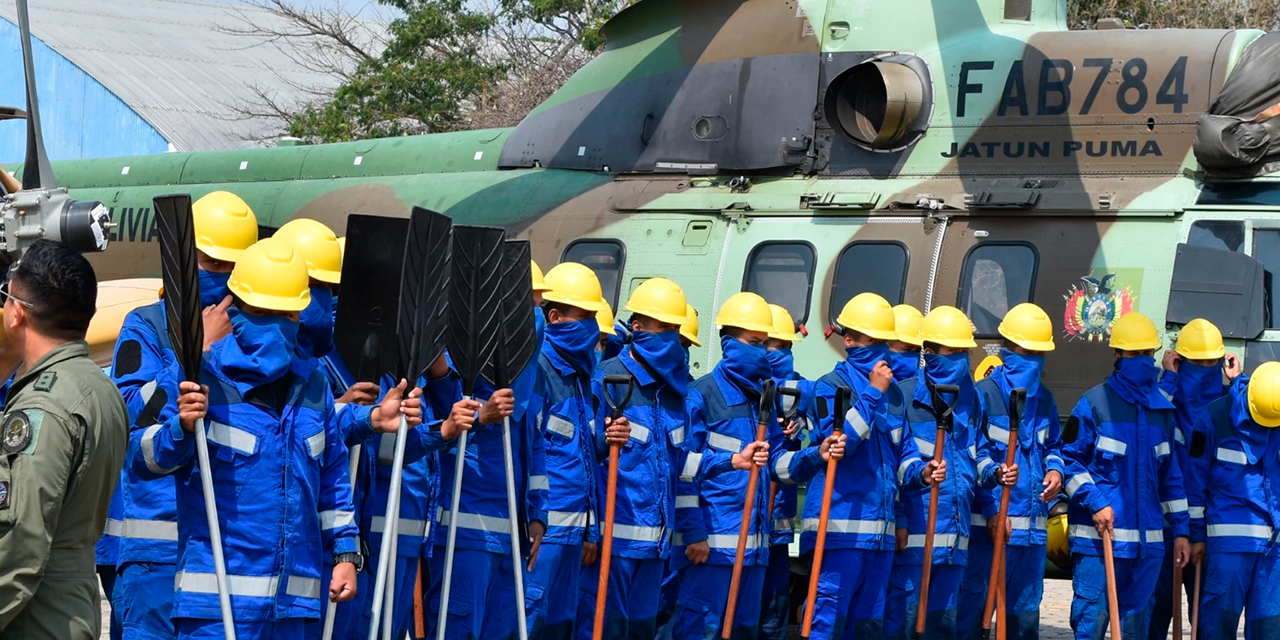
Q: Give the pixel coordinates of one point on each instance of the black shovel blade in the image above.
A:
(365, 328)
(179, 270)
(518, 336)
(424, 288)
(768, 396)
(475, 290)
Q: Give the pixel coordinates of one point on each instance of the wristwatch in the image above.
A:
(353, 558)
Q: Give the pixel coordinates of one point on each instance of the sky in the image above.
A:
(367, 9)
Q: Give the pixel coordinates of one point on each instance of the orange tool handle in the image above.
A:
(606, 543)
(922, 608)
(1113, 601)
(419, 620)
(743, 530)
(819, 547)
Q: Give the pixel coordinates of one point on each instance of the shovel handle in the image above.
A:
(785, 410)
(842, 400)
(1113, 601)
(1177, 601)
(926, 572)
(606, 542)
(1016, 398)
(744, 529)
(1195, 606)
(611, 384)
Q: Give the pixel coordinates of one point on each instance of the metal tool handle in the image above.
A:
(516, 559)
(331, 609)
(387, 546)
(459, 467)
(215, 531)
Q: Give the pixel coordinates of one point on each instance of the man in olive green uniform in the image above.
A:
(62, 441)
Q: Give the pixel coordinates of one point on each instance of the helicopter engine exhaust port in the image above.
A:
(878, 105)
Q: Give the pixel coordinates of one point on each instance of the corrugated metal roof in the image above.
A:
(168, 61)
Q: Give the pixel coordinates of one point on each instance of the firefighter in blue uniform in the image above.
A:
(904, 351)
(875, 460)
(775, 606)
(1123, 477)
(652, 460)
(1193, 379)
(572, 302)
(1241, 530)
(146, 371)
(270, 420)
(947, 335)
(1028, 336)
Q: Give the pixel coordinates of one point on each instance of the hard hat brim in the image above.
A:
(748, 326)
(954, 344)
(608, 329)
(692, 339)
(792, 337)
(1192, 354)
(539, 288)
(1125, 345)
(220, 253)
(669, 318)
(914, 341)
(324, 275)
(878, 334)
(275, 303)
(596, 307)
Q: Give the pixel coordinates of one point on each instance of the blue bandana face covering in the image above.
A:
(1135, 380)
(950, 369)
(782, 363)
(665, 356)
(904, 364)
(213, 287)
(576, 342)
(260, 350)
(315, 335)
(1022, 371)
(864, 359)
(747, 365)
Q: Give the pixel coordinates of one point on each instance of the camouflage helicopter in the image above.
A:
(966, 152)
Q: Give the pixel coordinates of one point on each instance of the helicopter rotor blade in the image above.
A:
(37, 173)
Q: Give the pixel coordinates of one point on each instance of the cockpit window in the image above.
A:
(1217, 234)
(782, 273)
(996, 278)
(856, 274)
(606, 258)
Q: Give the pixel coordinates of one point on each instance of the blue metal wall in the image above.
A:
(81, 118)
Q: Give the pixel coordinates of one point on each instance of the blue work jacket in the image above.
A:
(1190, 407)
(786, 501)
(573, 451)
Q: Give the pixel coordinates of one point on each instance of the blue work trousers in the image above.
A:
(1162, 601)
(631, 607)
(1024, 589)
(1135, 583)
(203, 629)
(904, 599)
(552, 592)
(775, 609)
(853, 588)
(144, 600)
(1236, 583)
(482, 599)
(107, 576)
(704, 593)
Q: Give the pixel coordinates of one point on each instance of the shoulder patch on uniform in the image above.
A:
(4, 495)
(19, 430)
(46, 381)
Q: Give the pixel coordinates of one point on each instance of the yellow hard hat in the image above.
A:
(1264, 394)
(1134, 332)
(660, 299)
(868, 314)
(1059, 547)
(906, 322)
(604, 317)
(342, 245)
(225, 225)
(784, 327)
(318, 246)
(949, 327)
(271, 275)
(1029, 327)
(1200, 340)
(689, 328)
(745, 310)
(539, 283)
(575, 285)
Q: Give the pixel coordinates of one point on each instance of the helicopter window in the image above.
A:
(605, 257)
(782, 273)
(996, 277)
(1266, 249)
(854, 273)
(1227, 235)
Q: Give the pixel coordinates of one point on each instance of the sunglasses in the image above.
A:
(5, 296)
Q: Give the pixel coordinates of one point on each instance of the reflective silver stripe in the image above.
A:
(247, 586)
(925, 447)
(477, 522)
(940, 541)
(567, 519)
(338, 407)
(902, 469)
(896, 435)
(316, 444)
(864, 527)
(855, 420)
(639, 432)
(783, 467)
(1162, 449)
(148, 445)
(1196, 513)
(558, 425)
(335, 518)
(142, 529)
(677, 436)
(404, 526)
(1054, 456)
(998, 434)
(592, 425)
(1177, 435)
(1231, 455)
(687, 502)
(1239, 531)
(783, 525)
(387, 448)
(147, 390)
(788, 402)
(1024, 523)
(984, 465)
(1155, 535)
(1042, 435)
(539, 483)
(691, 464)
(1112, 445)
(723, 442)
(730, 540)
(1119, 535)
(973, 451)
(1077, 481)
(638, 534)
(233, 437)
(1174, 506)
(977, 520)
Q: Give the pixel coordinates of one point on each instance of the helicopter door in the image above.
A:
(813, 264)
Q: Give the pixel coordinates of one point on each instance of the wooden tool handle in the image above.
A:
(922, 608)
(997, 558)
(1113, 602)
(606, 542)
(819, 547)
(744, 530)
(1195, 605)
(1177, 601)
(419, 618)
